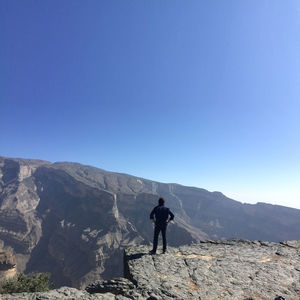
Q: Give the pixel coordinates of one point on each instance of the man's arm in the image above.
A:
(152, 215)
(171, 216)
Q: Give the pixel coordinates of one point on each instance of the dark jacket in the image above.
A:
(161, 214)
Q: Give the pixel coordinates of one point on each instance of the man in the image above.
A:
(161, 221)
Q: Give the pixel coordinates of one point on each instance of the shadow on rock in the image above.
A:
(136, 256)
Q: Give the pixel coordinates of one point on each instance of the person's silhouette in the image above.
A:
(160, 217)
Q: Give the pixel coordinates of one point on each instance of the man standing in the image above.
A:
(161, 221)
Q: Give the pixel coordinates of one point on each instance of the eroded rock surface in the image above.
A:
(211, 270)
(234, 269)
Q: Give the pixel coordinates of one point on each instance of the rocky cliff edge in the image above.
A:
(231, 269)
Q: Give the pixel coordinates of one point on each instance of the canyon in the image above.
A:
(74, 220)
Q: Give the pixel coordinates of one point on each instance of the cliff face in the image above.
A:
(72, 228)
(8, 264)
(227, 269)
(76, 219)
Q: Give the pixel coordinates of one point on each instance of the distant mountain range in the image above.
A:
(74, 220)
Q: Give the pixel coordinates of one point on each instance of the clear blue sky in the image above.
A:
(202, 93)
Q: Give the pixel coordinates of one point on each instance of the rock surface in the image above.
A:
(211, 270)
(63, 293)
(8, 263)
(117, 286)
(235, 269)
(76, 219)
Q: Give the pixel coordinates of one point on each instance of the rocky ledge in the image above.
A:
(232, 269)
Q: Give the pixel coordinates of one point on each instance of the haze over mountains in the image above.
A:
(74, 220)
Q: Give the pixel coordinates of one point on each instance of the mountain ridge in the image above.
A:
(143, 178)
(77, 218)
(121, 173)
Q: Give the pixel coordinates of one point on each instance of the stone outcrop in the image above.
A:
(77, 219)
(8, 264)
(235, 269)
(210, 270)
(117, 286)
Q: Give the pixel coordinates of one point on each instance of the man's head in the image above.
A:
(161, 201)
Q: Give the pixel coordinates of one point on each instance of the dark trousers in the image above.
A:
(160, 228)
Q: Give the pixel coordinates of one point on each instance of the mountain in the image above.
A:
(74, 220)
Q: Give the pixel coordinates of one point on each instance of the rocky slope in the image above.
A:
(73, 220)
(228, 269)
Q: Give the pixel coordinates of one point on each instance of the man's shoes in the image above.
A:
(164, 251)
(152, 252)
